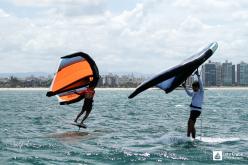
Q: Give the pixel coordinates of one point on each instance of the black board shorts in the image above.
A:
(194, 114)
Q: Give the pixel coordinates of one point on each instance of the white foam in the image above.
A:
(178, 105)
(216, 139)
(169, 139)
(166, 139)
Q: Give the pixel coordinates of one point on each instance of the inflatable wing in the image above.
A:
(173, 77)
(75, 73)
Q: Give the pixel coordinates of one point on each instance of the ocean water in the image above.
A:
(149, 129)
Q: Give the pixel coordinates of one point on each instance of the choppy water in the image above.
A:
(149, 129)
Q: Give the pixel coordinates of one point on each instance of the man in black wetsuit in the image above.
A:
(88, 103)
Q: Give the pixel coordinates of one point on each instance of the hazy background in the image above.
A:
(122, 36)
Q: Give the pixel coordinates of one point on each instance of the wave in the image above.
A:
(168, 139)
(176, 139)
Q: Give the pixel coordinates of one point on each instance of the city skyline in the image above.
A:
(225, 74)
(213, 74)
(25, 74)
(121, 36)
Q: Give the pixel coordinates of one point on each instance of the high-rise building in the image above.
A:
(227, 73)
(233, 75)
(242, 74)
(189, 80)
(209, 74)
(238, 74)
(218, 73)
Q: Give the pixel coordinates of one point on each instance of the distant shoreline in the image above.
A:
(46, 89)
(216, 88)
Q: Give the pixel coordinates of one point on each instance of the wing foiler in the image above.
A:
(75, 73)
(173, 77)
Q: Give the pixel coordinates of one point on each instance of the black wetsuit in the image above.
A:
(88, 103)
(87, 107)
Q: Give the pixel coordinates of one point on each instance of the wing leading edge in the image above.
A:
(172, 78)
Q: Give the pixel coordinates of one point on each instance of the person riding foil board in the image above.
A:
(87, 106)
(196, 104)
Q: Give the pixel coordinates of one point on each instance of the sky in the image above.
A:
(141, 36)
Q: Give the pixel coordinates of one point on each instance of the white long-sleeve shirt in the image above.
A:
(197, 97)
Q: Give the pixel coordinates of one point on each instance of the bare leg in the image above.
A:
(193, 130)
(188, 130)
(191, 123)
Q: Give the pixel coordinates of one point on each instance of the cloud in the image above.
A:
(67, 7)
(3, 14)
(152, 36)
(43, 3)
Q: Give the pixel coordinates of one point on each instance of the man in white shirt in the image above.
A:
(196, 104)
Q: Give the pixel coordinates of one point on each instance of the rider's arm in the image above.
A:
(200, 83)
(187, 91)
